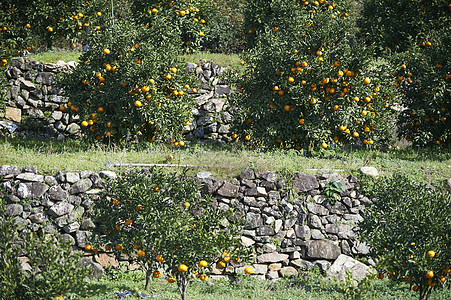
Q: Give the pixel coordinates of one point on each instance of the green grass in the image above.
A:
(224, 162)
(306, 286)
(227, 61)
(54, 56)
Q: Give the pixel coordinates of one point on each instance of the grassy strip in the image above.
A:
(225, 162)
(228, 61)
(305, 286)
(54, 56)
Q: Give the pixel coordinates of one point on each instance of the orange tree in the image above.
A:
(28, 25)
(416, 42)
(188, 19)
(309, 82)
(130, 85)
(407, 228)
(159, 220)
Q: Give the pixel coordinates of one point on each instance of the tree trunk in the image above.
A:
(148, 278)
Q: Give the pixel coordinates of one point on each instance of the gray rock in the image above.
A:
(317, 209)
(10, 170)
(82, 238)
(30, 177)
(256, 192)
(370, 171)
(71, 227)
(226, 117)
(72, 177)
(246, 242)
(57, 193)
(360, 248)
(288, 272)
(268, 176)
(272, 275)
(59, 209)
(199, 132)
(13, 209)
(64, 220)
(97, 270)
(12, 198)
(203, 175)
(265, 230)
(323, 265)
(228, 190)
(23, 191)
(26, 84)
(344, 264)
(108, 174)
(31, 169)
(38, 218)
(81, 186)
(224, 128)
(317, 235)
(314, 221)
(73, 128)
(304, 183)
(253, 220)
(247, 174)
(271, 258)
(66, 239)
(38, 189)
(45, 78)
(222, 90)
(317, 249)
(302, 264)
(269, 248)
(302, 231)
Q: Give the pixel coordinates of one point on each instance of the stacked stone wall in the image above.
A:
(291, 225)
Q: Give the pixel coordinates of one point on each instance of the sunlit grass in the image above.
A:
(223, 161)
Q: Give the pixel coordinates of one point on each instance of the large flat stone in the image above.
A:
(344, 264)
(322, 250)
(271, 257)
(13, 114)
(304, 183)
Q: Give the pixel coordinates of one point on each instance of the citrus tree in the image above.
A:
(130, 84)
(406, 229)
(188, 19)
(160, 221)
(416, 43)
(33, 24)
(309, 83)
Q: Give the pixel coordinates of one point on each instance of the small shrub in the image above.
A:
(405, 228)
(160, 221)
(52, 271)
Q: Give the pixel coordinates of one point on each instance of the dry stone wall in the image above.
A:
(34, 103)
(291, 226)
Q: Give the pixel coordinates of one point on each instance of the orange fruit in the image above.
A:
(141, 253)
(286, 107)
(203, 264)
(323, 145)
(430, 274)
(249, 270)
(366, 80)
(98, 13)
(106, 51)
(182, 268)
(181, 143)
(221, 264)
(380, 276)
(201, 33)
(227, 258)
(186, 205)
(50, 29)
(88, 247)
(442, 279)
(447, 270)
(431, 282)
(355, 134)
(290, 79)
(430, 253)
(100, 109)
(336, 107)
(156, 274)
(84, 124)
(128, 222)
(247, 137)
(160, 258)
(171, 279)
(234, 136)
(301, 121)
(138, 103)
(203, 277)
(118, 247)
(145, 88)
